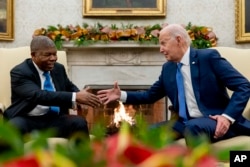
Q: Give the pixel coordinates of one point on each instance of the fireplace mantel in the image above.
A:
(115, 44)
(126, 62)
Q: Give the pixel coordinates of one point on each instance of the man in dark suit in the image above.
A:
(206, 75)
(34, 106)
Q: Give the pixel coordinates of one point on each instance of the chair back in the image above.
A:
(10, 57)
(239, 58)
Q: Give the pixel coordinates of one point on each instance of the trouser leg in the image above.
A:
(204, 126)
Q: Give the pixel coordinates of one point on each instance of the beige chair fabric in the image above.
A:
(9, 57)
(239, 58)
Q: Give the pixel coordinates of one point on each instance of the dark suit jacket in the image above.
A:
(26, 90)
(211, 75)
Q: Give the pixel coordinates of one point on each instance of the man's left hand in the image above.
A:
(222, 126)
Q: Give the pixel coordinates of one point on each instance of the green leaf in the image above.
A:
(11, 142)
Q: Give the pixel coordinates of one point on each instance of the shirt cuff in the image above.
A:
(123, 97)
(228, 117)
(74, 105)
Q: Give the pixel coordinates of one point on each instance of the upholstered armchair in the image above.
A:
(9, 57)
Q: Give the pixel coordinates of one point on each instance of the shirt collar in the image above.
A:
(185, 58)
(38, 69)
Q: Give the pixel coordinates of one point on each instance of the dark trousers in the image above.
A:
(202, 126)
(63, 125)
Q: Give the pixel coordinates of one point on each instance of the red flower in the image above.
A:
(137, 154)
(28, 161)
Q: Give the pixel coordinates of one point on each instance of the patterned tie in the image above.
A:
(181, 94)
(49, 87)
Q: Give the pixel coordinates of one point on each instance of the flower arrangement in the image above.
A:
(137, 147)
(201, 36)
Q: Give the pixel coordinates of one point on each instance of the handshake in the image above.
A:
(102, 97)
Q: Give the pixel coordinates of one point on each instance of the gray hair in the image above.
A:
(178, 30)
(41, 42)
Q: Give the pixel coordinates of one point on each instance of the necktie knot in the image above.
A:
(179, 65)
(47, 83)
(46, 74)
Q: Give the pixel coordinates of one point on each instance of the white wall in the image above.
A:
(33, 14)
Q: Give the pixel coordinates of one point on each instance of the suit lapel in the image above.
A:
(194, 70)
(175, 86)
(35, 72)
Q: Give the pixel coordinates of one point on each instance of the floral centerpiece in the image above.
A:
(138, 147)
(202, 36)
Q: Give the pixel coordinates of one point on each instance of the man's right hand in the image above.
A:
(85, 97)
(109, 95)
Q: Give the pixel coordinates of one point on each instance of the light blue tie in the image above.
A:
(49, 87)
(181, 94)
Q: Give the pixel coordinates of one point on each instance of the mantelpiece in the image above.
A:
(125, 62)
(114, 44)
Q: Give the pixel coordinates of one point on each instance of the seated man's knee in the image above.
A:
(200, 126)
(192, 128)
(19, 124)
(77, 124)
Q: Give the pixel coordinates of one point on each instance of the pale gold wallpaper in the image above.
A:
(33, 14)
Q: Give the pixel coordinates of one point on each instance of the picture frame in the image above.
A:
(124, 7)
(242, 18)
(6, 19)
